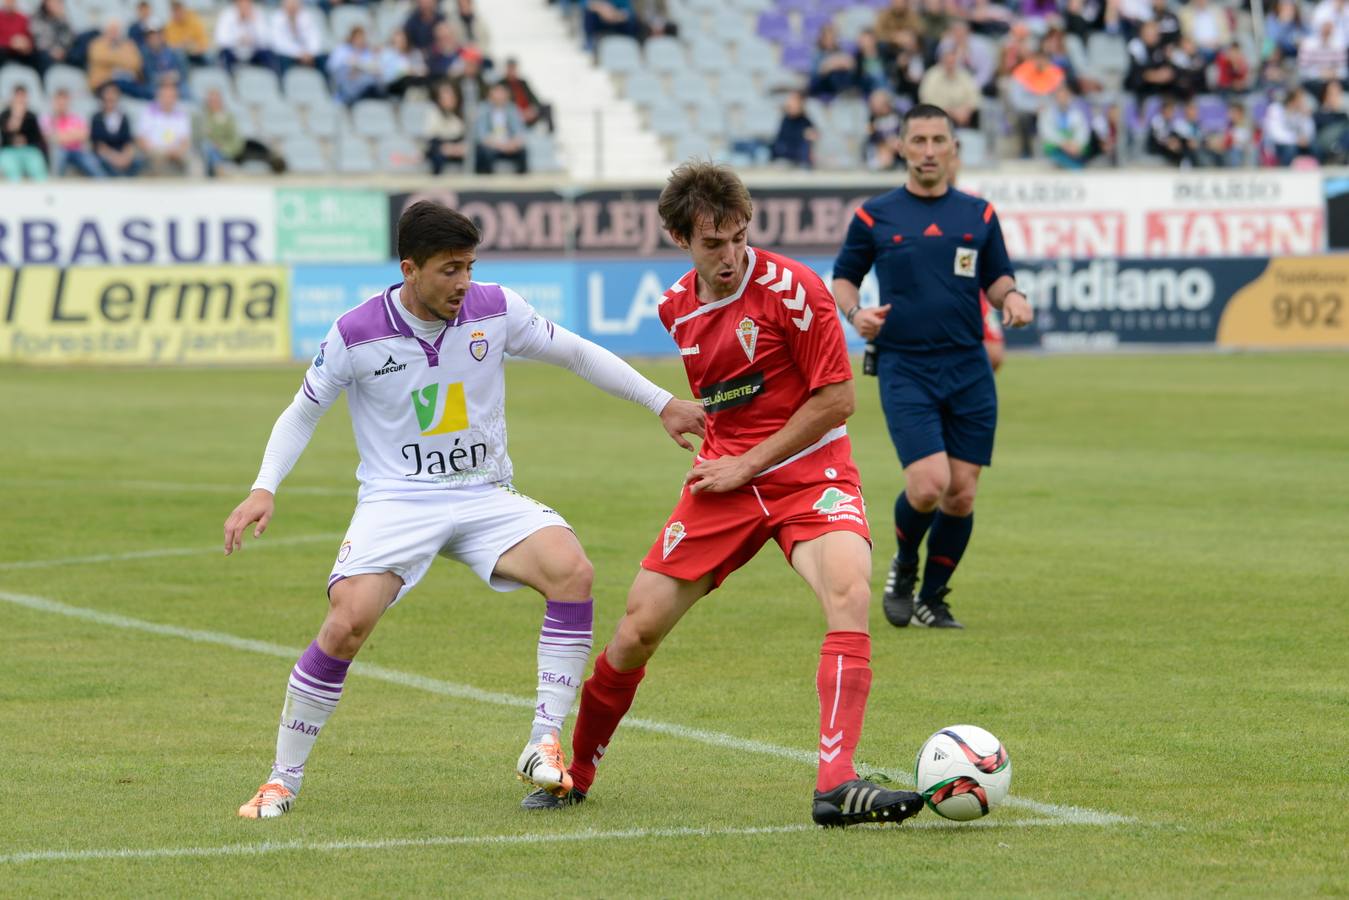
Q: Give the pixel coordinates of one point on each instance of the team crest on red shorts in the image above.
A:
(834, 502)
(674, 533)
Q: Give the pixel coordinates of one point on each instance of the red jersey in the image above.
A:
(756, 356)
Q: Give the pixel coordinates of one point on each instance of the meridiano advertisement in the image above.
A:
(145, 314)
(331, 225)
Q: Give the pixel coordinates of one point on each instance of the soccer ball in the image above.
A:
(963, 772)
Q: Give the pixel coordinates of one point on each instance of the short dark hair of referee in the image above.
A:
(933, 249)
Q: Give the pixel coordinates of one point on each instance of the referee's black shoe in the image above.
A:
(857, 801)
(897, 601)
(935, 612)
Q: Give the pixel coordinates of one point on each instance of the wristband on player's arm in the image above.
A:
(852, 312)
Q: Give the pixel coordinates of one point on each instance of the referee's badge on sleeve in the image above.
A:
(965, 260)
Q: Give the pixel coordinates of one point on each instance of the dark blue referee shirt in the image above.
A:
(933, 255)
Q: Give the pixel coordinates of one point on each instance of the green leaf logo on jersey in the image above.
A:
(440, 412)
(833, 501)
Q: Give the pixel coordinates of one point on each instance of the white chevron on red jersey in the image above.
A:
(755, 357)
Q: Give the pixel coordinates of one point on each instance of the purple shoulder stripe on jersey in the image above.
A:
(371, 321)
(483, 301)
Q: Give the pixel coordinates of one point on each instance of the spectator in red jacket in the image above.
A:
(16, 41)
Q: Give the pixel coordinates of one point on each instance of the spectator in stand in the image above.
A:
(936, 18)
(421, 25)
(217, 135)
(143, 23)
(1289, 129)
(185, 33)
(976, 57)
(110, 133)
(295, 37)
(1055, 45)
(114, 57)
(1322, 57)
(1081, 18)
(987, 17)
(468, 75)
(831, 71)
(1284, 29)
(871, 70)
(795, 141)
(1191, 71)
(1031, 88)
(1037, 13)
(401, 66)
(1065, 132)
(609, 17)
(893, 23)
(885, 147)
(1133, 13)
(23, 151)
(16, 40)
(1332, 126)
(1275, 71)
(1232, 71)
(1016, 49)
(162, 62)
(1105, 132)
(1207, 26)
(164, 133)
(241, 36)
(531, 110)
(444, 52)
(67, 134)
(1336, 12)
(446, 133)
(500, 133)
(53, 36)
(466, 15)
(910, 64)
(1166, 20)
(1236, 147)
(1150, 70)
(353, 69)
(1198, 142)
(949, 86)
(1163, 140)
(653, 18)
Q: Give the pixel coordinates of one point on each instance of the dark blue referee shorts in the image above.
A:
(935, 402)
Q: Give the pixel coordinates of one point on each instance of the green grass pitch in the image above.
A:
(1155, 601)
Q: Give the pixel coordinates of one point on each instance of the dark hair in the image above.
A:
(927, 111)
(427, 228)
(699, 189)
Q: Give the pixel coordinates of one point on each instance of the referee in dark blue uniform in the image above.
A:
(933, 248)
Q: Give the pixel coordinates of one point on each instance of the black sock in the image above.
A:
(910, 526)
(950, 535)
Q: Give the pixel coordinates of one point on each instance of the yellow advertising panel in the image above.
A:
(1296, 302)
(144, 315)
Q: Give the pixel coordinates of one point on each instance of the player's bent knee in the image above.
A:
(571, 577)
(634, 643)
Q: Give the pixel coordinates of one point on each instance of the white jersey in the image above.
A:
(429, 410)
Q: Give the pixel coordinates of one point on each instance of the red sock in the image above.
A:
(843, 681)
(605, 699)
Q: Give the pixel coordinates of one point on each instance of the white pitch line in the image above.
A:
(1071, 815)
(266, 847)
(176, 487)
(250, 542)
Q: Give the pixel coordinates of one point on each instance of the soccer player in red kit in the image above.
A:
(764, 352)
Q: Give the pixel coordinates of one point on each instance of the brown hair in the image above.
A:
(701, 189)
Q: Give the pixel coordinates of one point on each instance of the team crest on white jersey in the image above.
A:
(966, 257)
(477, 345)
(674, 533)
(344, 552)
(748, 334)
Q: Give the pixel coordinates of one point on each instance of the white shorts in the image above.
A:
(474, 525)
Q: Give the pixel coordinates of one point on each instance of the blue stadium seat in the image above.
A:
(666, 55)
(399, 154)
(13, 75)
(373, 118)
(304, 156)
(619, 54)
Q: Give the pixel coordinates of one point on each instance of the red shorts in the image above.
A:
(992, 320)
(718, 533)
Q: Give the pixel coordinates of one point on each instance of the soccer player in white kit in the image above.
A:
(423, 368)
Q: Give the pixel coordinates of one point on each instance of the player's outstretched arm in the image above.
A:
(681, 417)
(257, 507)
